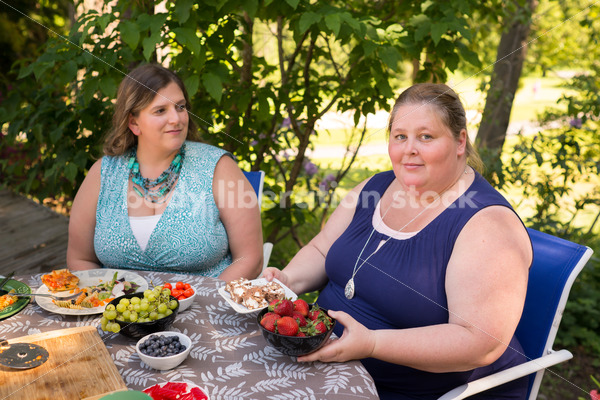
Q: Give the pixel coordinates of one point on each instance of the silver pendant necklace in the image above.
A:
(350, 288)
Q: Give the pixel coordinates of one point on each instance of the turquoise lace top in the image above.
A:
(188, 238)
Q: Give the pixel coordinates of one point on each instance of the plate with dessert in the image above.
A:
(248, 296)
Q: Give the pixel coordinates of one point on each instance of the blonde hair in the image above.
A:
(136, 91)
(450, 110)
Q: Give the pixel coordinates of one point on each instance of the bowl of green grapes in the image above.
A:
(139, 314)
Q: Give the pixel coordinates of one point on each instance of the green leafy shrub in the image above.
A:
(260, 73)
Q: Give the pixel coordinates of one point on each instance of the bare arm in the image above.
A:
(82, 223)
(239, 212)
(306, 271)
(486, 282)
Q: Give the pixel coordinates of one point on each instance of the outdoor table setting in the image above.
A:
(229, 357)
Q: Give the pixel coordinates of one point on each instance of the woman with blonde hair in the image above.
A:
(425, 266)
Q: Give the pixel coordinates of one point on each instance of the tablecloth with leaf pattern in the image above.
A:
(230, 359)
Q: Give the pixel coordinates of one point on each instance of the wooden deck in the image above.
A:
(33, 238)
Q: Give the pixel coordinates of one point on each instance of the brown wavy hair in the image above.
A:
(450, 110)
(136, 91)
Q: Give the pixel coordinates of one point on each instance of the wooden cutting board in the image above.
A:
(78, 367)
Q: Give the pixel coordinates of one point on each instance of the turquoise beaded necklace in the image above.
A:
(155, 190)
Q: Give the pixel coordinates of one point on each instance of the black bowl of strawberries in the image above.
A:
(295, 328)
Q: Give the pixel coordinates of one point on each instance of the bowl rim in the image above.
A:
(165, 333)
(266, 310)
(115, 302)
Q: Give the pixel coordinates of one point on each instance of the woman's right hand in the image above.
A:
(271, 273)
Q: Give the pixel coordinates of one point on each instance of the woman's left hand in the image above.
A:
(356, 342)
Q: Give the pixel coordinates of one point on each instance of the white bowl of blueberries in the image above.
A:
(164, 350)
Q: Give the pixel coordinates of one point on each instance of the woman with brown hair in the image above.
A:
(159, 199)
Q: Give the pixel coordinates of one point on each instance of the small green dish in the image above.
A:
(127, 395)
(20, 304)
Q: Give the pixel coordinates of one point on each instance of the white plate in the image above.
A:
(256, 282)
(90, 277)
(190, 386)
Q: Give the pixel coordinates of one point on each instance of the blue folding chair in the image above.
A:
(556, 264)
(257, 180)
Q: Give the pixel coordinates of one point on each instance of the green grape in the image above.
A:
(110, 307)
(125, 302)
(121, 307)
(120, 318)
(133, 317)
(166, 292)
(137, 308)
(151, 297)
(135, 300)
(162, 308)
(160, 315)
(173, 304)
(159, 288)
(144, 313)
(115, 327)
(126, 314)
(144, 306)
(110, 314)
(153, 316)
(168, 312)
(147, 293)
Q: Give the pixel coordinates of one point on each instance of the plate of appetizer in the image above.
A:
(86, 292)
(176, 390)
(10, 305)
(248, 296)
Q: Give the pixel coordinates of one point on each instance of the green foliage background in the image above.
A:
(261, 73)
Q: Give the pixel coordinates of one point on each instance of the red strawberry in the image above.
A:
(272, 304)
(299, 317)
(268, 321)
(314, 314)
(320, 327)
(287, 326)
(301, 306)
(284, 307)
(300, 334)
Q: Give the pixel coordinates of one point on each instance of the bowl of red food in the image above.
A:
(183, 292)
(295, 328)
(177, 390)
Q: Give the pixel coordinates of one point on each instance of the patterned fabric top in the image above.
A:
(189, 236)
(229, 358)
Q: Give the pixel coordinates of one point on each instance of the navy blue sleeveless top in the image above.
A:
(403, 286)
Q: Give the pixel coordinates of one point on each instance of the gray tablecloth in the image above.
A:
(229, 358)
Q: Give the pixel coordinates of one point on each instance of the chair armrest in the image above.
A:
(267, 249)
(507, 375)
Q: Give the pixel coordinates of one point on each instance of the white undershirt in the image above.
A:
(142, 228)
(381, 227)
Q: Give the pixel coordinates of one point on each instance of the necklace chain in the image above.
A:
(155, 190)
(350, 289)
